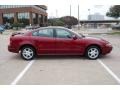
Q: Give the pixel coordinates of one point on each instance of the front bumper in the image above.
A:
(107, 49)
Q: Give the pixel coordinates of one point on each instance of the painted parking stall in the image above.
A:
(73, 70)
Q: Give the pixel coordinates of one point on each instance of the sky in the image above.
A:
(59, 8)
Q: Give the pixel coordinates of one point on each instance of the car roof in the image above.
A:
(53, 27)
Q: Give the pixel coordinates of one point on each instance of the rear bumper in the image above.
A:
(11, 49)
(107, 49)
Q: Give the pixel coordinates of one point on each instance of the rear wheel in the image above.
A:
(27, 53)
(93, 52)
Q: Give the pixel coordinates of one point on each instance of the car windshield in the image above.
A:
(78, 34)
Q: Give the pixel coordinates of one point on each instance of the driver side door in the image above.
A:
(64, 41)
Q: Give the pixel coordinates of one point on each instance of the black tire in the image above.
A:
(93, 55)
(31, 53)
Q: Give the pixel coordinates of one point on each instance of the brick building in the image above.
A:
(27, 14)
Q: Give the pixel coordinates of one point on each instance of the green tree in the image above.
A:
(69, 20)
(55, 22)
(114, 11)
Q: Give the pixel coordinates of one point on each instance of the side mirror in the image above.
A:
(74, 37)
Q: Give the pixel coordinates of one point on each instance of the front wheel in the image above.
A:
(27, 53)
(93, 52)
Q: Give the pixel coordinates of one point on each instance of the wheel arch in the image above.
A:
(93, 45)
(27, 45)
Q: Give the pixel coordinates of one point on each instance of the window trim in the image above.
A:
(43, 36)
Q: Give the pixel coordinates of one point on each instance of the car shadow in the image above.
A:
(60, 57)
(69, 57)
(106, 57)
(15, 57)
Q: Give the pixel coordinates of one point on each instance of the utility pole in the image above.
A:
(89, 11)
(78, 18)
(70, 9)
(56, 13)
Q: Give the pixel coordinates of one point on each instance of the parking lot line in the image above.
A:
(22, 73)
(109, 71)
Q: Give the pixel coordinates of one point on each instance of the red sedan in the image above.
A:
(57, 41)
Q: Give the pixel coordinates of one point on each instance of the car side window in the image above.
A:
(61, 33)
(44, 33)
(35, 33)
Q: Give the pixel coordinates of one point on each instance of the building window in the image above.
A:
(23, 15)
(8, 18)
(23, 18)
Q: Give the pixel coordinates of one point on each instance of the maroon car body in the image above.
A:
(57, 43)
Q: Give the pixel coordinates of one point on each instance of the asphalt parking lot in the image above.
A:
(60, 70)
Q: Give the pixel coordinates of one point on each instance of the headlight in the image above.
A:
(108, 44)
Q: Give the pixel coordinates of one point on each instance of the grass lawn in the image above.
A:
(114, 33)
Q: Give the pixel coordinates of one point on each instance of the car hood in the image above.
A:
(94, 38)
(90, 38)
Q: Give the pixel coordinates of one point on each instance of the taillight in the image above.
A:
(16, 33)
(10, 39)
